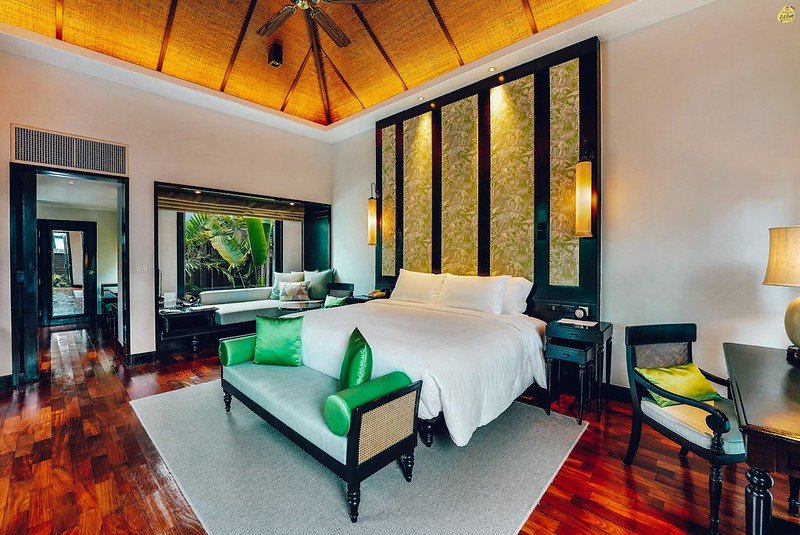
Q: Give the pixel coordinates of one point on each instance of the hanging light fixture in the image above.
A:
(583, 195)
(372, 217)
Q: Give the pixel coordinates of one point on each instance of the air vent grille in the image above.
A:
(53, 149)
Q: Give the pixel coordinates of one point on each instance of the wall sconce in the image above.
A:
(583, 196)
(372, 217)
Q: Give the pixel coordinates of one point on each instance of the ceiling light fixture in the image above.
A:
(420, 98)
(492, 69)
(197, 192)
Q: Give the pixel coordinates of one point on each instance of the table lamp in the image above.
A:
(783, 269)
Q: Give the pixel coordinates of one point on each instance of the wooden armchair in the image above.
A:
(710, 430)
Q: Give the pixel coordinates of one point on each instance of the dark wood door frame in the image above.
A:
(24, 261)
(45, 228)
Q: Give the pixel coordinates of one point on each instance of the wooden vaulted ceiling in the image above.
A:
(396, 44)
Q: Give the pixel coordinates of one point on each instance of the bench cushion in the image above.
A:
(230, 313)
(295, 397)
(236, 295)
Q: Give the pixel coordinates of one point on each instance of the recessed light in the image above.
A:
(71, 182)
(492, 69)
(420, 98)
(197, 192)
(501, 78)
(291, 204)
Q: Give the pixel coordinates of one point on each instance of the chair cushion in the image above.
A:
(294, 396)
(230, 313)
(690, 423)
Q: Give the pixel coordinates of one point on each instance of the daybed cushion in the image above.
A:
(237, 295)
(275, 388)
(230, 313)
(690, 423)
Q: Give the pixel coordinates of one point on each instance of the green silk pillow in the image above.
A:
(338, 408)
(278, 341)
(318, 283)
(278, 278)
(685, 380)
(357, 362)
(331, 301)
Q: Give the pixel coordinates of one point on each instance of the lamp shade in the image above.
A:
(783, 267)
(372, 221)
(583, 199)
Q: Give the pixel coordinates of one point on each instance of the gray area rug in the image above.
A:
(243, 477)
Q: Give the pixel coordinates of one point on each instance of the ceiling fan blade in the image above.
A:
(350, 1)
(326, 23)
(276, 21)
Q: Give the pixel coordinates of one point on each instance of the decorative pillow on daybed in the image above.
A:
(294, 291)
(415, 287)
(278, 341)
(685, 380)
(318, 282)
(357, 362)
(331, 301)
(484, 294)
(277, 278)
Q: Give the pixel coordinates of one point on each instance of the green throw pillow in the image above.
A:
(357, 362)
(278, 341)
(685, 380)
(278, 278)
(331, 301)
(318, 283)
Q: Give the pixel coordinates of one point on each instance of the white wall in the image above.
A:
(292, 246)
(107, 246)
(701, 155)
(169, 141)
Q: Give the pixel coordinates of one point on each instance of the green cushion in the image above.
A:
(357, 362)
(278, 341)
(338, 408)
(237, 350)
(331, 301)
(318, 283)
(278, 278)
(685, 380)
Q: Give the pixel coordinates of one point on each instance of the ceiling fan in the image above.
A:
(316, 14)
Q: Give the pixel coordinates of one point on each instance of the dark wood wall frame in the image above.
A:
(549, 301)
(24, 276)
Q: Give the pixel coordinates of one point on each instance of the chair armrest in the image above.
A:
(237, 349)
(717, 421)
(718, 380)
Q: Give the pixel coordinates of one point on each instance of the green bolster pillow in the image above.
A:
(237, 350)
(338, 408)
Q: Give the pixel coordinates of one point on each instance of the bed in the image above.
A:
(473, 364)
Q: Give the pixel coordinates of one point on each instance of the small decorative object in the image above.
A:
(783, 269)
(372, 217)
(170, 300)
(786, 15)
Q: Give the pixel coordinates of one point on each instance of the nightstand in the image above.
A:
(573, 338)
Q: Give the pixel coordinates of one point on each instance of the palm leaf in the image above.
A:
(259, 246)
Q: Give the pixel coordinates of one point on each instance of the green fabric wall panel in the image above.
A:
(388, 201)
(460, 187)
(564, 154)
(512, 203)
(417, 192)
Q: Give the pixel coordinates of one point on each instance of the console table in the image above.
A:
(766, 393)
(186, 322)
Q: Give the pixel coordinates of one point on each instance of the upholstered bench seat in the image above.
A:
(277, 389)
(690, 423)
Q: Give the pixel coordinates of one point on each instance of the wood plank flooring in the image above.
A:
(75, 459)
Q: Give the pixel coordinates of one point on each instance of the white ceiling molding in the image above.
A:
(614, 19)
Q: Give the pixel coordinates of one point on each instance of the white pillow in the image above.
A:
(415, 287)
(484, 294)
(515, 300)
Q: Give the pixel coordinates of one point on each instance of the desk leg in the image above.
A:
(758, 502)
(582, 387)
(549, 386)
(607, 359)
(794, 496)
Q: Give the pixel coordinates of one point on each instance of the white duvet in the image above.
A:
(473, 365)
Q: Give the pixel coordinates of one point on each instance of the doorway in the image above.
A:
(67, 272)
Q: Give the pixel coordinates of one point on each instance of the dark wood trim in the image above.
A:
(296, 79)
(239, 41)
(342, 78)
(136, 359)
(278, 246)
(6, 383)
(313, 36)
(445, 31)
(526, 5)
(436, 191)
(167, 31)
(180, 252)
(60, 20)
(399, 202)
(378, 45)
(484, 182)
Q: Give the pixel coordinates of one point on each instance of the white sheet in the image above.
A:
(473, 365)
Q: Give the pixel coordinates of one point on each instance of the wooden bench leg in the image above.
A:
(426, 430)
(226, 397)
(407, 464)
(353, 499)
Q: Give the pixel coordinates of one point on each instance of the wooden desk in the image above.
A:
(766, 392)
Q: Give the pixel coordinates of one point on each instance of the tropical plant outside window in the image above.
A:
(224, 251)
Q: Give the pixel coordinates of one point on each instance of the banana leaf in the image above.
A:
(259, 246)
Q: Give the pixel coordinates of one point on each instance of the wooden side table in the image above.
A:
(582, 354)
(185, 323)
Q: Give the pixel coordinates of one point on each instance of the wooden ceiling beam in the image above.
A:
(377, 43)
(296, 79)
(239, 41)
(526, 5)
(167, 30)
(315, 49)
(60, 20)
(446, 32)
(344, 81)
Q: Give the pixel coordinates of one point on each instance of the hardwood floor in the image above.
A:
(75, 459)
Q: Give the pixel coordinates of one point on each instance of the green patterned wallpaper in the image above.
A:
(564, 154)
(388, 200)
(417, 178)
(460, 187)
(512, 208)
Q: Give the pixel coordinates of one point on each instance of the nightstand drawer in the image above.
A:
(570, 351)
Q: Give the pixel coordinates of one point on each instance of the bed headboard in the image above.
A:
(482, 181)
